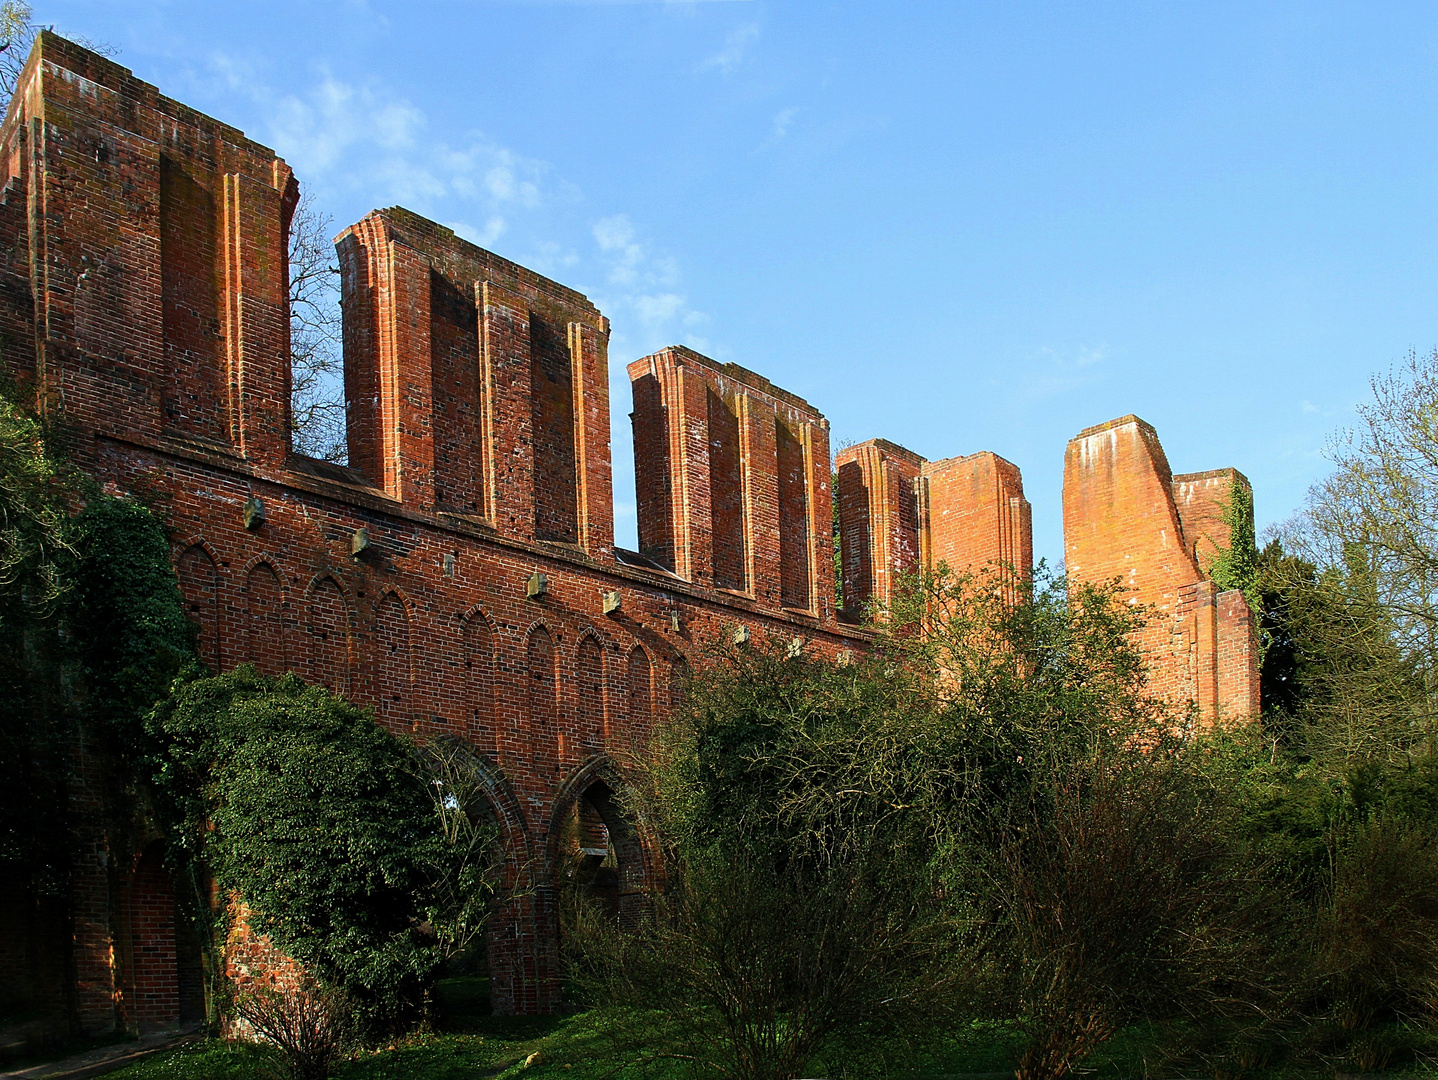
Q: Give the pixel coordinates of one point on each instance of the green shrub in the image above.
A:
(314, 814)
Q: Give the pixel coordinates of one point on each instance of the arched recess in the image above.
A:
(200, 587)
(640, 687)
(330, 635)
(596, 851)
(266, 643)
(543, 697)
(511, 927)
(394, 661)
(589, 685)
(477, 650)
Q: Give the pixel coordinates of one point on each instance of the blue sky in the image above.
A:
(958, 226)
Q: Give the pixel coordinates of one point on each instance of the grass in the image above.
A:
(594, 1046)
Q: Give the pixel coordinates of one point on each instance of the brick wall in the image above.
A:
(1128, 518)
(733, 482)
(479, 427)
(878, 521)
(898, 512)
(142, 267)
(974, 517)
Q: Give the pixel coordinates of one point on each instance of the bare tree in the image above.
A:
(1381, 503)
(306, 1026)
(17, 34)
(317, 407)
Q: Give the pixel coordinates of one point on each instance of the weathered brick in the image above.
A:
(145, 298)
(142, 267)
(1128, 519)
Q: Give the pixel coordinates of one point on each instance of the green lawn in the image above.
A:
(590, 1046)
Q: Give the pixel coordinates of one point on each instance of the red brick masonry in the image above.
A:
(460, 574)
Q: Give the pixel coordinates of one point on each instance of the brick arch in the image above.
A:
(511, 925)
(393, 659)
(590, 686)
(541, 676)
(601, 784)
(267, 641)
(477, 674)
(198, 571)
(639, 690)
(329, 633)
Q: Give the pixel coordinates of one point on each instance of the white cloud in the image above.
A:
(783, 121)
(339, 135)
(646, 306)
(350, 138)
(485, 237)
(734, 51)
(1051, 371)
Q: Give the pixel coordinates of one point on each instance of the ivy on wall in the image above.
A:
(302, 803)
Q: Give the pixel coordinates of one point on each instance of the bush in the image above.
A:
(306, 1026)
(1379, 935)
(795, 924)
(1122, 897)
(311, 811)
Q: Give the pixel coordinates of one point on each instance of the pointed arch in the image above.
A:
(394, 660)
(589, 685)
(200, 586)
(329, 632)
(543, 691)
(640, 685)
(477, 658)
(266, 642)
(589, 815)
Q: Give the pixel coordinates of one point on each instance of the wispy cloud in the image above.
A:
(343, 136)
(1051, 371)
(346, 138)
(734, 51)
(646, 288)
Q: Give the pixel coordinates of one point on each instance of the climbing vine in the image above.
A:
(301, 803)
(1236, 566)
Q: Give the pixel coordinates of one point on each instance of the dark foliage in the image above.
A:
(796, 924)
(314, 813)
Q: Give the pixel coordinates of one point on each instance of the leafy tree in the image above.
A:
(314, 814)
(1337, 682)
(795, 925)
(1110, 883)
(1378, 511)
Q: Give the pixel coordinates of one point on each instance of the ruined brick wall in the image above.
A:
(733, 482)
(974, 517)
(143, 299)
(1201, 500)
(145, 245)
(898, 512)
(878, 522)
(1128, 518)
